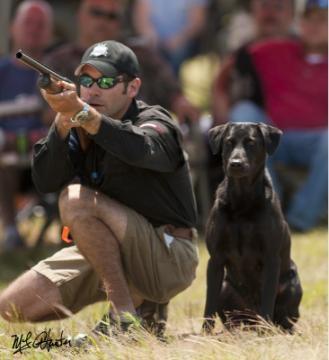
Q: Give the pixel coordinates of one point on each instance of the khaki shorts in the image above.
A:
(157, 265)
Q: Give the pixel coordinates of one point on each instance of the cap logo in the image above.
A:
(99, 50)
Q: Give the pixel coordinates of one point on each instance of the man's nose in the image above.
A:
(93, 89)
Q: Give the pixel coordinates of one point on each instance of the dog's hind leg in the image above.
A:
(286, 310)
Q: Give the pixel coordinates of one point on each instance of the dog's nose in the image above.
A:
(236, 163)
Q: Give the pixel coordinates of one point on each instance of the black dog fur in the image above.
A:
(250, 272)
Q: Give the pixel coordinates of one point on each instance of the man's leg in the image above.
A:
(31, 297)
(56, 287)
(98, 226)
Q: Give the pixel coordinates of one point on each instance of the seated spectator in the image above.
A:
(271, 19)
(20, 104)
(293, 77)
(100, 20)
(260, 20)
(172, 26)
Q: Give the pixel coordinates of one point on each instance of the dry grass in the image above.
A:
(185, 319)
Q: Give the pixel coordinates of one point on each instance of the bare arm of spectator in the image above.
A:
(195, 24)
(221, 101)
(142, 21)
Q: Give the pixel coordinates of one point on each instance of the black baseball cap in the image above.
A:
(111, 58)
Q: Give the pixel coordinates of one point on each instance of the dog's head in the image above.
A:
(242, 147)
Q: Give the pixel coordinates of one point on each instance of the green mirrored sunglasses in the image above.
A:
(103, 82)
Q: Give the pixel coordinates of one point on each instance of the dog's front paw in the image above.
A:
(208, 326)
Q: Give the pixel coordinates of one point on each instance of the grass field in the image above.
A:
(185, 318)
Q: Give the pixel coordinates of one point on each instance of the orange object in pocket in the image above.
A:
(66, 235)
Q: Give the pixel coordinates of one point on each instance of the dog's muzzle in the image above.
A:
(237, 167)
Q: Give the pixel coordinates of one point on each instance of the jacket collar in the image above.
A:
(132, 112)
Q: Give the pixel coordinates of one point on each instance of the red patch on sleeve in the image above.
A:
(155, 126)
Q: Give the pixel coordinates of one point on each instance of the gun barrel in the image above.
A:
(36, 65)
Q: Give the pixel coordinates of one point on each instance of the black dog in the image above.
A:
(250, 272)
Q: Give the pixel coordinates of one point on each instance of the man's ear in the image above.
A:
(133, 87)
(215, 136)
(271, 137)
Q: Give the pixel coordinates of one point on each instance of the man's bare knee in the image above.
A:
(78, 204)
(31, 297)
(75, 200)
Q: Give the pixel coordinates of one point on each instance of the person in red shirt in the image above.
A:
(293, 77)
(273, 19)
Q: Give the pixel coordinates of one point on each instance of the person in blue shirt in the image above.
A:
(20, 104)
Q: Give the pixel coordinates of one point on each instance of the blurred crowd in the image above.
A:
(257, 60)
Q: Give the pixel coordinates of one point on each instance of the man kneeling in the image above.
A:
(126, 196)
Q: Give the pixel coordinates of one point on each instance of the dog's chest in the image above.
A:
(242, 245)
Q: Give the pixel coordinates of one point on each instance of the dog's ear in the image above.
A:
(215, 136)
(271, 137)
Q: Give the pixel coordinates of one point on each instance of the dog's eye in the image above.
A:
(229, 142)
(250, 142)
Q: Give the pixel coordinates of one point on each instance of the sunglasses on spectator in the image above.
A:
(103, 82)
(108, 15)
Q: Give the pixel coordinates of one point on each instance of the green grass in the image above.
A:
(185, 318)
